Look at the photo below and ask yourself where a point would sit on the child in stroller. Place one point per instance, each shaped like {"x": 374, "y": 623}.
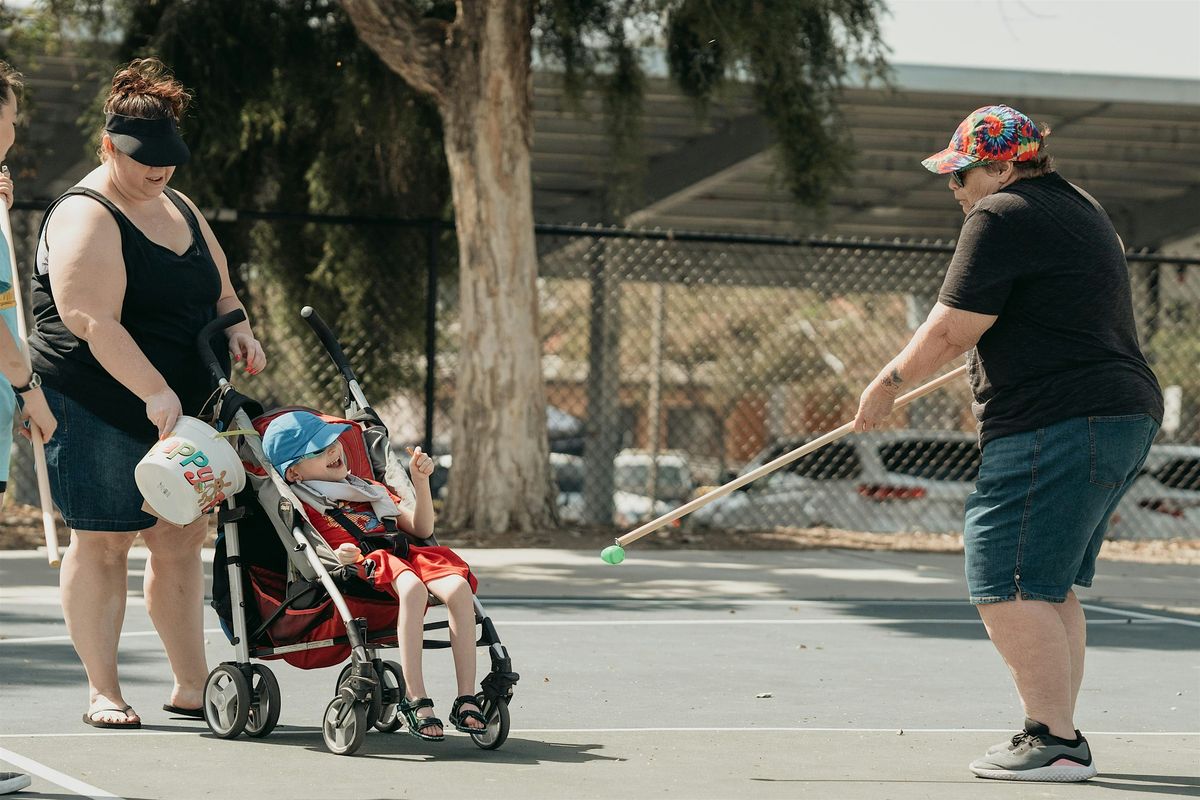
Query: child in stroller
{"x": 366, "y": 525}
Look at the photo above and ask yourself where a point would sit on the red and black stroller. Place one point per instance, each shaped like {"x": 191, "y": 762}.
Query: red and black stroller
{"x": 281, "y": 593}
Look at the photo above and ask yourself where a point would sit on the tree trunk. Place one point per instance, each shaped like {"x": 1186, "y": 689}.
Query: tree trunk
{"x": 478, "y": 69}
{"x": 499, "y": 479}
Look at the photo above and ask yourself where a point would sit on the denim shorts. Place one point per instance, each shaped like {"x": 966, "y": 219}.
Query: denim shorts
{"x": 1041, "y": 505}
{"x": 90, "y": 465}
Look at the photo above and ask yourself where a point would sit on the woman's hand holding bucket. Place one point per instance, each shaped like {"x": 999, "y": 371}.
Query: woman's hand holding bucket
{"x": 163, "y": 409}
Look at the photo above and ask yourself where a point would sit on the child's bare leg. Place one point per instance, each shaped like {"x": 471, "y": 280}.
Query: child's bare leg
{"x": 410, "y": 629}
{"x": 455, "y": 592}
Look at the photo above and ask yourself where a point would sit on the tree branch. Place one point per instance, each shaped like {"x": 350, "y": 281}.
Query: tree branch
{"x": 413, "y": 46}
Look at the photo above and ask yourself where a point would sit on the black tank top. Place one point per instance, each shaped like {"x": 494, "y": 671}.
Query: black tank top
{"x": 168, "y": 299}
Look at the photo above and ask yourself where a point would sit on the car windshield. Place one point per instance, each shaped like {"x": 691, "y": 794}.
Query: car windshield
{"x": 635, "y": 478}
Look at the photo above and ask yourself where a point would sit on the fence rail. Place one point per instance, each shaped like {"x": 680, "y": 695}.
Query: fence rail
{"x": 674, "y": 359}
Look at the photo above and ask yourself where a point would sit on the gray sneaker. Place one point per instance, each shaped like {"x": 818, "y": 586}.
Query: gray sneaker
{"x": 1036, "y": 755}
{"x": 13, "y": 782}
{"x": 1009, "y": 743}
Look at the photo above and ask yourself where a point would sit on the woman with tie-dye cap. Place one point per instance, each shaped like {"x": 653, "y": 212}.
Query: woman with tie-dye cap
{"x": 1038, "y": 295}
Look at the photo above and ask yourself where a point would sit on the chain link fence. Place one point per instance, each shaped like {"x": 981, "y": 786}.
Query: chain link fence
{"x": 675, "y": 361}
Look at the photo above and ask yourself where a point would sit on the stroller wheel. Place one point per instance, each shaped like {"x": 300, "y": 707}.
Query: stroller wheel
{"x": 226, "y": 700}
{"x": 345, "y": 725}
{"x": 497, "y": 728}
{"x": 264, "y": 702}
{"x": 376, "y": 705}
{"x": 391, "y": 682}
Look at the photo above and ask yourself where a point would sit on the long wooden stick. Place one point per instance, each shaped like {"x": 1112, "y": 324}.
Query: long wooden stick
{"x": 783, "y": 460}
{"x": 35, "y": 434}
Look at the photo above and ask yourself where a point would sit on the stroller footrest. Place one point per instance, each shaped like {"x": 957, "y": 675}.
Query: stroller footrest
{"x": 498, "y": 685}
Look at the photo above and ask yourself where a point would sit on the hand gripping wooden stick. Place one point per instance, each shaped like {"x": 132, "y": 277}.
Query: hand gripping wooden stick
{"x": 771, "y": 466}
{"x": 39, "y": 450}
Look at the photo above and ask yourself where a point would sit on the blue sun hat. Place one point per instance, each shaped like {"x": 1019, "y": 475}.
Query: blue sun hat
{"x": 296, "y": 434}
{"x": 991, "y": 133}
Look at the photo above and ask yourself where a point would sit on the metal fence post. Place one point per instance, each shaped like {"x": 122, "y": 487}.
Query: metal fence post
{"x": 603, "y": 387}
{"x": 654, "y": 392}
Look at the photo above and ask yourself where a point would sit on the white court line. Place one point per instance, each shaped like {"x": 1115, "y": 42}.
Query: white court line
{"x": 55, "y": 777}
{"x": 764, "y": 729}
{"x": 554, "y": 623}
{"x": 704, "y": 601}
{"x": 1141, "y": 615}
{"x": 630, "y": 623}
{"x": 66, "y": 638}
{"x": 832, "y": 730}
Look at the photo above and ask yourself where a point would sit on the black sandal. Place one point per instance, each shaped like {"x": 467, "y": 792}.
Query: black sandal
{"x": 417, "y": 724}
{"x": 458, "y": 717}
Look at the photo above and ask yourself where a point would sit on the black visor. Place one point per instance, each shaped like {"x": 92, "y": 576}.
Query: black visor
{"x": 153, "y": 142}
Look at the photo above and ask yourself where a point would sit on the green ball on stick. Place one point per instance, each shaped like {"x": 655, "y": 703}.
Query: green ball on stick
{"x": 613, "y": 554}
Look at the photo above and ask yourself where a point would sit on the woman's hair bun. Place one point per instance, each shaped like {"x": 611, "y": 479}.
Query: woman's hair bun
{"x": 146, "y": 88}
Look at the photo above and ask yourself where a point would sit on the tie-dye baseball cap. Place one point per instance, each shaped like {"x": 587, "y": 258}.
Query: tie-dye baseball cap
{"x": 991, "y": 133}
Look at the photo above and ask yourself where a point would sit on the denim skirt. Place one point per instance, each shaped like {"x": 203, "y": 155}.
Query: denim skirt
{"x": 90, "y": 465}
{"x": 1041, "y": 505}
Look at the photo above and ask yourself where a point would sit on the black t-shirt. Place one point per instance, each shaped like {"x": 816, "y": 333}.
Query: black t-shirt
{"x": 1043, "y": 257}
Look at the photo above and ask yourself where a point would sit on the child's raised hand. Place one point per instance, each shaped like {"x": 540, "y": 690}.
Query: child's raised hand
{"x": 348, "y": 554}
{"x": 421, "y": 463}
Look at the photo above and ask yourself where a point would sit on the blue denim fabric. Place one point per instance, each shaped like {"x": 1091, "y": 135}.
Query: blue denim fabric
{"x": 8, "y": 400}
{"x": 8, "y": 410}
{"x": 1041, "y": 505}
{"x": 90, "y": 465}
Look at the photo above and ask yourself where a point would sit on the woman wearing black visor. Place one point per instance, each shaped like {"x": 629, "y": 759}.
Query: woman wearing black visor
{"x": 127, "y": 274}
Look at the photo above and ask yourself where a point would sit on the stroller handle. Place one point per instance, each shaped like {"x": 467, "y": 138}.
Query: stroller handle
{"x": 204, "y": 341}
{"x": 332, "y": 347}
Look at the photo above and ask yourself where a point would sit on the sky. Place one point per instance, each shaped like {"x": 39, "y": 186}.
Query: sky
{"x": 1152, "y": 38}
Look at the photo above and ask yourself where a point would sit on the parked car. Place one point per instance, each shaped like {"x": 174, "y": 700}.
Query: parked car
{"x": 1164, "y": 500}
{"x": 568, "y": 476}
{"x": 631, "y": 480}
{"x": 674, "y": 480}
{"x": 628, "y": 507}
{"x": 883, "y": 482}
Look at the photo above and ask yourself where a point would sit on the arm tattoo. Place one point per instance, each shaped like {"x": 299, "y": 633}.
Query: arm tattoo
{"x": 893, "y": 381}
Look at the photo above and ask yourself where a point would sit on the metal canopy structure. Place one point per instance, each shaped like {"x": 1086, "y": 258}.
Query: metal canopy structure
{"x": 1133, "y": 143}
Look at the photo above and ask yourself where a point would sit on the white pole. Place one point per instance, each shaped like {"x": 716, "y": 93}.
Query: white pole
{"x": 39, "y": 451}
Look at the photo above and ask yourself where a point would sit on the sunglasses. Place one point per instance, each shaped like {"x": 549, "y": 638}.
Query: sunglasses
{"x": 959, "y": 176}
{"x": 317, "y": 454}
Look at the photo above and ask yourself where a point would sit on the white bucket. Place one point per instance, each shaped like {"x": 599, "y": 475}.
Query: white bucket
{"x": 189, "y": 473}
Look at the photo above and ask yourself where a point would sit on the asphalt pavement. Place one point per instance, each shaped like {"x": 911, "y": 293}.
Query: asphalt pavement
{"x": 690, "y": 674}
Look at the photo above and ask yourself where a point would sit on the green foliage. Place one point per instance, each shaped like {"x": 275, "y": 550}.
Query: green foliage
{"x": 291, "y": 113}
{"x": 795, "y": 54}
